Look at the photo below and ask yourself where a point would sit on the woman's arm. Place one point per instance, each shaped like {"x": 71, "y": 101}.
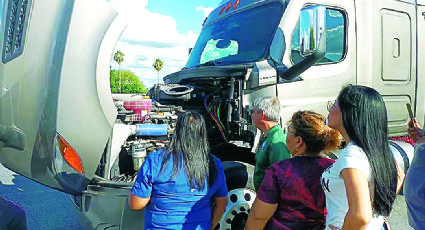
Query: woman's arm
{"x": 360, "y": 208}
{"x": 137, "y": 203}
{"x": 400, "y": 177}
{"x": 260, "y": 214}
{"x": 218, "y": 209}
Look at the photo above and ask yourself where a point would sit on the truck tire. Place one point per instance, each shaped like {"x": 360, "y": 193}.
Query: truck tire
{"x": 240, "y": 184}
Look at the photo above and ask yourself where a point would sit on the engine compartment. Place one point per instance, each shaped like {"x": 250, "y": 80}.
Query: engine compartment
{"x": 146, "y": 124}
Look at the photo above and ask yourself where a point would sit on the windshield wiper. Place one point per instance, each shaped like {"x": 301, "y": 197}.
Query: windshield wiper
{"x": 211, "y": 63}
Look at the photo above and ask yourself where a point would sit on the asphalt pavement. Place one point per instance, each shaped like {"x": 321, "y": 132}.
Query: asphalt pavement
{"x": 398, "y": 216}
{"x": 49, "y": 209}
{"x": 46, "y": 208}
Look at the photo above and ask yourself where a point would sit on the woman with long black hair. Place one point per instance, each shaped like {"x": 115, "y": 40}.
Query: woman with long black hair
{"x": 360, "y": 187}
{"x": 177, "y": 185}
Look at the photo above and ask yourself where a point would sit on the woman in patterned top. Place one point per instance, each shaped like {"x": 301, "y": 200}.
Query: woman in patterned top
{"x": 290, "y": 196}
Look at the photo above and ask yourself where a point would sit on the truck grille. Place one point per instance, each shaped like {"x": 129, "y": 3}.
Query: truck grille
{"x": 16, "y": 24}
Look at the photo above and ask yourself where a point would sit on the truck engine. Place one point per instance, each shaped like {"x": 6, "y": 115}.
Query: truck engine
{"x": 146, "y": 124}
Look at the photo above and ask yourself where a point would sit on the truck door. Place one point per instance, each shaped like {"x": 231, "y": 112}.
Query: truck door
{"x": 321, "y": 83}
{"x": 56, "y": 109}
{"x": 388, "y": 46}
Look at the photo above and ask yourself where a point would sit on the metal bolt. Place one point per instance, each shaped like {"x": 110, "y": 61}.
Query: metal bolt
{"x": 247, "y": 197}
{"x": 233, "y": 198}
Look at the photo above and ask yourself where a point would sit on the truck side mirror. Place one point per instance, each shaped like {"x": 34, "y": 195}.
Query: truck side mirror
{"x": 312, "y": 40}
{"x": 312, "y": 29}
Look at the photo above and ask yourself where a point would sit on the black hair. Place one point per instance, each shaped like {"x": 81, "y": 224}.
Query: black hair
{"x": 364, "y": 117}
{"x": 189, "y": 146}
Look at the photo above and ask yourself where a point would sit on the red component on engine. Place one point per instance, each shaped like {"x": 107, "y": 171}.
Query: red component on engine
{"x": 140, "y": 107}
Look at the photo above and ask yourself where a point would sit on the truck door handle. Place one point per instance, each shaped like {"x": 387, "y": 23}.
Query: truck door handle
{"x": 11, "y": 137}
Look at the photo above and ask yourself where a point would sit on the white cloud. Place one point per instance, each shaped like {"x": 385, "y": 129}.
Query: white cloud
{"x": 129, "y": 7}
{"x": 149, "y": 36}
{"x": 205, "y": 10}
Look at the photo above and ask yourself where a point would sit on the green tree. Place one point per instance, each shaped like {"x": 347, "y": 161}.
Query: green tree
{"x": 119, "y": 58}
{"x": 130, "y": 82}
{"x": 158, "y": 66}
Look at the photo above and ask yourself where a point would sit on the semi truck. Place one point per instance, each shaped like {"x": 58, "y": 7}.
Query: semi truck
{"x": 61, "y": 126}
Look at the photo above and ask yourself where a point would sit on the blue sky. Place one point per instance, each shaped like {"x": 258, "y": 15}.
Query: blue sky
{"x": 183, "y": 11}
{"x": 163, "y": 29}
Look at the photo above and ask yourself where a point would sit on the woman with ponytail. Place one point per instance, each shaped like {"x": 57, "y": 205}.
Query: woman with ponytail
{"x": 179, "y": 184}
{"x": 360, "y": 187}
{"x": 290, "y": 196}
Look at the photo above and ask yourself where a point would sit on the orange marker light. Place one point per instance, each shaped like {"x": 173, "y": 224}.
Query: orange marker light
{"x": 228, "y": 6}
{"x": 221, "y": 11}
{"x": 236, "y": 4}
{"x": 71, "y": 157}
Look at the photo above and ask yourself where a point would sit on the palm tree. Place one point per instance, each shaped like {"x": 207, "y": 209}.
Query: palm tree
{"x": 158, "y": 66}
{"x": 119, "y": 58}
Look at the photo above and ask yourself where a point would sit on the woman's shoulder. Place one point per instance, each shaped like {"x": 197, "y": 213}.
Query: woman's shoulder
{"x": 214, "y": 157}
{"x": 352, "y": 150}
{"x": 284, "y": 162}
{"x": 420, "y": 149}
{"x": 293, "y": 166}
{"x": 308, "y": 160}
{"x": 326, "y": 159}
{"x": 354, "y": 157}
{"x": 217, "y": 161}
{"x": 284, "y": 165}
{"x": 325, "y": 162}
{"x": 352, "y": 146}
{"x": 157, "y": 155}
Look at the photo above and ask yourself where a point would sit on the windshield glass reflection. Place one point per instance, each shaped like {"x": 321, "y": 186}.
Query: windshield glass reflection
{"x": 239, "y": 38}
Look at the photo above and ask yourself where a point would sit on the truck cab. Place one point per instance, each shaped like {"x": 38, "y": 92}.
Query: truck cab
{"x": 61, "y": 126}
{"x": 274, "y": 57}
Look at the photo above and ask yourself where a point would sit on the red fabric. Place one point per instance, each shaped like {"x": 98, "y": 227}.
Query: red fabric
{"x": 406, "y": 139}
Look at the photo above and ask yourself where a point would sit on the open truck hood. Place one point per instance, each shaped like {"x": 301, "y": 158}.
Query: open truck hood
{"x": 55, "y": 99}
{"x": 206, "y": 73}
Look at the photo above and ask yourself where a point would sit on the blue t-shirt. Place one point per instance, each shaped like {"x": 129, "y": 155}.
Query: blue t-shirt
{"x": 414, "y": 189}
{"x": 173, "y": 205}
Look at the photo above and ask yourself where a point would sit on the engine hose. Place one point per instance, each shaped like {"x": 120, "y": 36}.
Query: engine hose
{"x": 212, "y": 115}
{"x": 218, "y": 117}
{"x": 229, "y": 109}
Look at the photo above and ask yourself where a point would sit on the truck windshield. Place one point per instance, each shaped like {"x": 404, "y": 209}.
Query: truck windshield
{"x": 239, "y": 38}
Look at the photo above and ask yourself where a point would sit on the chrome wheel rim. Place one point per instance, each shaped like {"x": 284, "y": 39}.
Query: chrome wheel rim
{"x": 239, "y": 204}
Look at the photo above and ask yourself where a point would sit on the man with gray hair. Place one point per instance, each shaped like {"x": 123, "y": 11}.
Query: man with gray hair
{"x": 272, "y": 146}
